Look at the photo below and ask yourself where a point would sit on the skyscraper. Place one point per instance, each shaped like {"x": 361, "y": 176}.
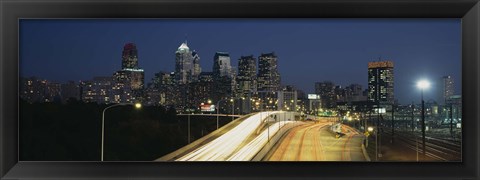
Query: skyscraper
{"x": 221, "y": 65}
{"x": 187, "y": 65}
{"x": 130, "y": 56}
{"x": 326, "y": 90}
{"x": 447, "y": 88}
{"x": 268, "y": 75}
{"x": 224, "y": 76}
{"x": 380, "y": 82}
{"x": 129, "y": 82}
{"x": 247, "y": 75}
{"x": 183, "y": 64}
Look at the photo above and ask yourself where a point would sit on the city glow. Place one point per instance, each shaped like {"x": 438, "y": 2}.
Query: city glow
{"x": 423, "y": 84}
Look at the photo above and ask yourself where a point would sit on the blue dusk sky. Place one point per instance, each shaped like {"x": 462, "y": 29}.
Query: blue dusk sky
{"x": 308, "y": 50}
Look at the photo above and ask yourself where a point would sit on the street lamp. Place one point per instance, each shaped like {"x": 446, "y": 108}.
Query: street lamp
{"x": 422, "y": 85}
{"x": 136, "y": 105}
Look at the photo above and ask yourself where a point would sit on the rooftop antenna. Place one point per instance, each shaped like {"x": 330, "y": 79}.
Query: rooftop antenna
{"x": 186, "y": 35}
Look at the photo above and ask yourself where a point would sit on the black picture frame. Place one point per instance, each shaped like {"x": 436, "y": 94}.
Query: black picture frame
{"x": 11, "y": 11}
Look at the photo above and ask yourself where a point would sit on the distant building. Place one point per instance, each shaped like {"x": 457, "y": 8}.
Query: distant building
{"x": 221, "y": 65}
{"x": 326, "y": 90}
{"x": 447, "y": 88}
{"x": 129, "y": 81}
{"x": 206, "y": 77}
{"x": 167, "y": 87}
{"x": 268, "y": 76}
{"x": 354, "y": 93}
{"x": 287, "y": 99}
{"x": 196, "y": 66}
{"x": 130, "y": 56}
{"x": 70, "y": 90}
{"x": 224, "y": 77}
{"x": 35, "y": 90}
{"x": 187, "y": 65}
{"x": 247, "y": 75}
{"x": 380, "y": 82}
{"x": 98, "y": 90}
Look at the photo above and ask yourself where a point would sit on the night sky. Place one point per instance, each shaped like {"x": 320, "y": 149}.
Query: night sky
{"x": 308, "y": 50}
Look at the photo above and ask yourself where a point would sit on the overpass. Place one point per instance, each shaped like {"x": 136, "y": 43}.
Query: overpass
{"x": 211, "y": 115}
{"x": 252, "y": 137}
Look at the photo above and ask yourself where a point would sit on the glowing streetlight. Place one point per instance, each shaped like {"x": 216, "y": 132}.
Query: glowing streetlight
{"x": 136, "y": 105}
{"x": 370, "y": 129}
{"x": 422, "y": 85}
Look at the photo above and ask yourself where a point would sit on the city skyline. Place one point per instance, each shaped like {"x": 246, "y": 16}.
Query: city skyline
{"x": 292, "y": 66}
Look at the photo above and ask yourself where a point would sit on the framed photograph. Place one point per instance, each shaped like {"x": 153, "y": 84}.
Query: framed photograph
{"x": 239, "y": 89}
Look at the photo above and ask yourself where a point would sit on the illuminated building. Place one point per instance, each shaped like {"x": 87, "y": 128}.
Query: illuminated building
{"x": 224, "y": 77}
{"x": 268, "y": 75}
{"x": 247, "y": 75}
{"x": 39, "y": 90}
{"x": 221, "y": 65}
{"x": 98, "y": 90}
{"x": 129, "y": 82}
{"x": 187, "y": 65}
{"x": 287, "y": 99}
{"x": 326, "y": 91}
{"x": 130, "y": 56}
{"x": 246, "y": 82}
{"x": 447, "y": 88}
{"x": 354, "y": 93}
{"x": 380, "y": 82}
{"x": 168, "y": 89}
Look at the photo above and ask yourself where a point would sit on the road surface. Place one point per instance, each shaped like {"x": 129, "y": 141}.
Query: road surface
{"x": 315, "y": 142}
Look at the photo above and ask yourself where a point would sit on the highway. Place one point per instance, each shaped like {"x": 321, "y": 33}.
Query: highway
{"x": 232, "y": 141}
{"x": 315, "y": 142}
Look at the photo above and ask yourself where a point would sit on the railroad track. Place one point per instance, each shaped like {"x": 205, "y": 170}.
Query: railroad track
{"x": 436, "y": 148}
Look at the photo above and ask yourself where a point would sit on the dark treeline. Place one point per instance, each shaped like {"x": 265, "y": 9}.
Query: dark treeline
{"x": 72, "y": 132}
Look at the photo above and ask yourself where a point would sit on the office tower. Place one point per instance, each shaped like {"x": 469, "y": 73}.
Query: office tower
{"x": 326, "y": 91}
{"x": 130, "y": 56}
{"x": 246, "y": 82}
{"x": 247, "y": 75}
{"x": 196, "y": 66}
{"x": 447, "y": 88}
{"x": 187, "y": 65}
{"x": 268, "y": 78}
{"x": 183, "y": 64}
{"x": 380, "y": 82}
{"x": 221, "y": 65}
{"x": 224, "y": 76}
{"x": 354, "y": 93}
{"x": 129, "y": 81}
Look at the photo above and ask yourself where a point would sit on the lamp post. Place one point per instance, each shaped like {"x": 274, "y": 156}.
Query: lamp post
{"x": 369, "y": 129}
{"x": 137, "y": 105}
{"x": 233, "y": 107}
{"x": 393, "y": 122}
{"x": 423, "y": 84}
